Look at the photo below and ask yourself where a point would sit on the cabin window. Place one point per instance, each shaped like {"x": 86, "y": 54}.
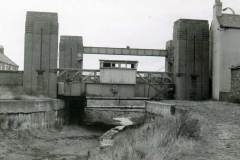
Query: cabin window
{"x": 106, "y": 65}
{"x": 113, "y": 65}
{"x": 123, "y": 66}
{"x": 132, "y": 66}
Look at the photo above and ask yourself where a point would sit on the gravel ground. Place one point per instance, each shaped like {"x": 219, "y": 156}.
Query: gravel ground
{"x": 220, "y": 129}
{"x": 69, "y": 143}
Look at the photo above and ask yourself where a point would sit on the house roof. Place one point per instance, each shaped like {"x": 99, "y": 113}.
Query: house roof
{"x": 5, "y": 59}
{"x": 229, "y": 21}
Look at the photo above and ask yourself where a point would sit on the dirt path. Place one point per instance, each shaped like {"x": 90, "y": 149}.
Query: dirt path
{"x": 220, "y": 129}
{"x": 70, "y": 143}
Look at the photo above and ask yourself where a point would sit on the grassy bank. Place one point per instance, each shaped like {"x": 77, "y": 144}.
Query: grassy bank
{"x": 160, "y": 138}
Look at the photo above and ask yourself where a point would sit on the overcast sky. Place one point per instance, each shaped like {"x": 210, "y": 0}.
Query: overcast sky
{"x": 112, "y": 23}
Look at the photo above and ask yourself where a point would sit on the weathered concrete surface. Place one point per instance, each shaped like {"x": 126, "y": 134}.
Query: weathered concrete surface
{"x": 191, "y": 59}
{"x": 11, "y": 78}
{"x": 118, "y": 76}
{"x": 27, "y": 114}
{"x": 103, "y": 110}
{"x": 41, "y": 53}
{"x": 108, "y": 90}
{"x": 115, "y": 102}
{"x": 71, "y": 52}
{"x": 158, "y": 108}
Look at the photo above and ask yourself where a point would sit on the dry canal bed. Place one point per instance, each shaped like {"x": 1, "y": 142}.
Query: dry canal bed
{"x": 69, "y": 143}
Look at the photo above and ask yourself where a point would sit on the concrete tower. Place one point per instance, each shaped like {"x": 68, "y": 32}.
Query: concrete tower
{"x": 169, "y": 62}
{"x": 191, "y": 59}
{"x": 40, "y": 53}
{"x": 71, "y": 52}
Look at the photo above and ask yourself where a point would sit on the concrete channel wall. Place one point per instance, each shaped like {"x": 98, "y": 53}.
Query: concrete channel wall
{"x": 28, "y": 114}
{"x": 11, "y": 81}
{"x": 159, "y": 108}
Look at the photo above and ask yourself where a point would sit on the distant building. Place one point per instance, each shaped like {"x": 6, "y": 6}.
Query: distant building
{"x": 6, "y": 64}
{"x": 225, "y": 49}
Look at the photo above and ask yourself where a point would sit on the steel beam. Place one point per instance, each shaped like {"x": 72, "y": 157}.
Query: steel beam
{"x": 125, "y": 51}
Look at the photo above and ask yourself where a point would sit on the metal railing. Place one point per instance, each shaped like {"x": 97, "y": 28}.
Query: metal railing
{"x": 87, "y": 75}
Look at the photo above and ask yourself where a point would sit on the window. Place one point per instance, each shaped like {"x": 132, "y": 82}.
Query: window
{"x": 132, "y": 66}
{"x": 128, "y": 66}
{"x": 122, "y": 65}
{"x": 113, "y": 65}
{"x": 106, "y": 65}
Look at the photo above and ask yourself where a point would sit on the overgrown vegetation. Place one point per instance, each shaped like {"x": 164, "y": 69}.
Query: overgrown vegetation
{"x": 160, "y": 138}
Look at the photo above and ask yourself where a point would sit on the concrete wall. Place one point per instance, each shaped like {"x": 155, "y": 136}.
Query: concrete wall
{"x": 118, "y": 76}
{"x": 40, "y": 53}
{"x": 11, "y": 83}
{"x": 191, "y": 59}
{"x": 157, "y": 91}
{"x": 111, "y": 102}
{"x": 27, "y": 114}
{"x": 71, "y": 52}
{"x": 110, "y": 90}
{"x": 158, "y": 108}
{"x": 71, "y": 89}
{"x": 11, "y": 78}
{"x": 104, "y": 110}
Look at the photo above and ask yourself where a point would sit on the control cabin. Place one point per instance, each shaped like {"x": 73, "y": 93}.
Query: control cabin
{"x": 118, "y": 71}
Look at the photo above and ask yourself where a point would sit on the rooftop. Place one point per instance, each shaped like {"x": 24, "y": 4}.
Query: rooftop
{"x": 5, "y": 59}
{"x": 118, "y": 61}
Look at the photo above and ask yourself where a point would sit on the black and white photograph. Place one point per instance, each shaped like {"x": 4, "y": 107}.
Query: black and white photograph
{"x": 120, "y": 80}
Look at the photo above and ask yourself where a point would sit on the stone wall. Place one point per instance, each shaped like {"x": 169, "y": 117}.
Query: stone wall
{"x": 27, "y": 114}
